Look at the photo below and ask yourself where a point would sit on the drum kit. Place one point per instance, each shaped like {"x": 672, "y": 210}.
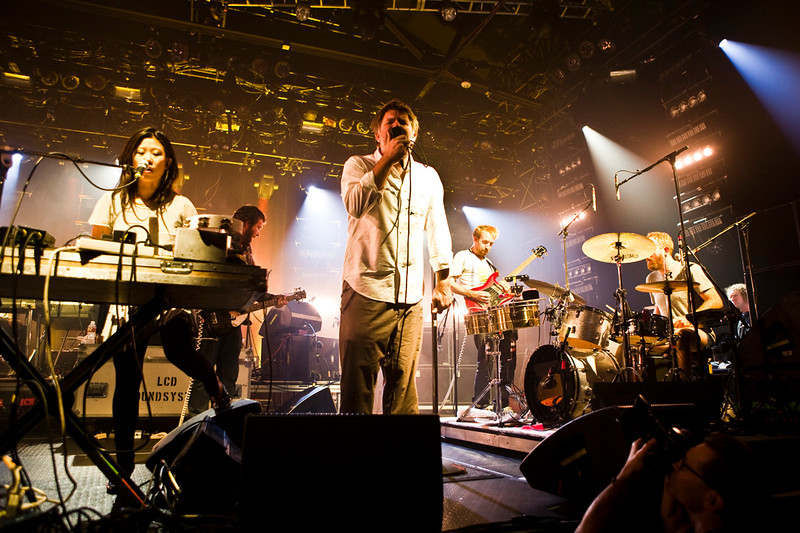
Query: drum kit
{"x": 559, "y": 377}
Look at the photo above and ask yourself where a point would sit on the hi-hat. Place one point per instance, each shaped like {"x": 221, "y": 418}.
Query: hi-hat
{"x": 619, "y": 247}
{"x": 666, "y": 286}
{"x": 550, "y": 290}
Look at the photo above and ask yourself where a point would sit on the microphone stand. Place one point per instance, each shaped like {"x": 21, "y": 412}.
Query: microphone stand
{"x": 564, "y": 232}
{"x": 684, "y": 247}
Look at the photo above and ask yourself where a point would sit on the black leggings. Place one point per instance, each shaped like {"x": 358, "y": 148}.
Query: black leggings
{"x": 177, "y": 337}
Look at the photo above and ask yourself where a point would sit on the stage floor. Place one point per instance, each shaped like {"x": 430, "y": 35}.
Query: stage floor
{"x": 483, "y": 487}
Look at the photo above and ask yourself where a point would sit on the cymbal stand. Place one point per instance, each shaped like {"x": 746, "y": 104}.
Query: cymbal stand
{"x": 624, "y": 315}
{"x": 676, "y": 370}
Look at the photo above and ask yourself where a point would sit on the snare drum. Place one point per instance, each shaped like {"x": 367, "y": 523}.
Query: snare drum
{"x": 515, "y": 315}
{"x": 477, "y": 322}
{"x": 589, "y": 328}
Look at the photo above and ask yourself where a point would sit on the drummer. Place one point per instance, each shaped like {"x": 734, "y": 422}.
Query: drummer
{"x": 469, "y": 272}
{"x": 663, "y": 266}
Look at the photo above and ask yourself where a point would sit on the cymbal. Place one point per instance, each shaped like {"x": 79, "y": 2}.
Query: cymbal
{"x": 553, "y": 291}
{"x": 664, "y": 286}
{"x": 628, "y": 247}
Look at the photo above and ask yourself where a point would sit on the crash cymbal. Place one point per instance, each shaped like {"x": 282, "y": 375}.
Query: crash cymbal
{"x": 628, "y": 247}
{"x": 665, "y": 286}
{"x": 550, "y": 290}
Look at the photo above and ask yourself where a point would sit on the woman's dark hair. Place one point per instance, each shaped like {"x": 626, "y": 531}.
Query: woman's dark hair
{"x": 127, "y": 184}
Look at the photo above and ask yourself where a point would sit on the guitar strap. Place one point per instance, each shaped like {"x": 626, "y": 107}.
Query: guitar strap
{"x": 494, "y": 269}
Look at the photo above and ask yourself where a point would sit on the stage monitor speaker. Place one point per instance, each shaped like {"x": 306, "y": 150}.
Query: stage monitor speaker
{"x": 207, "y": 469}
{"x": 231, "y": 420}
{"x": 311, "y": 400}
{"x": 340, "y": 472}
{"x": 580, "y": 458}
{"x": 692, "y": 405}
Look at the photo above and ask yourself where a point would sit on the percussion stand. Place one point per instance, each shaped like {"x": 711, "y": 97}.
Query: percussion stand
{"x": 496, "y": 383}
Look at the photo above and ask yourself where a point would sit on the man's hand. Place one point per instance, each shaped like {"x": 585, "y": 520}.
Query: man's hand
{"x": 681, "y": 322}
{"x": 481, "y": 297}
{"x": 442, "y": 296}
{"x": 281, "y": 301}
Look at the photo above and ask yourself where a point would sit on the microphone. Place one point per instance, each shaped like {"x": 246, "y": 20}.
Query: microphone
{"x": 138, "y": 171}
{"x": 616, "y": 185}
{"x": 396, "y": 131}
{"x": 674, "y": 154}
{"x": 594, "y": 199}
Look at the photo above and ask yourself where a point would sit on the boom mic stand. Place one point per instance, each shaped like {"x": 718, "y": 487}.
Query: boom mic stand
{"x": 564, "y": 232}
{"x": 683, "y": 245}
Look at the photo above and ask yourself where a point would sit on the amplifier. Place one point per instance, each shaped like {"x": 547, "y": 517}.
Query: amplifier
{"x": 166, "y": 388}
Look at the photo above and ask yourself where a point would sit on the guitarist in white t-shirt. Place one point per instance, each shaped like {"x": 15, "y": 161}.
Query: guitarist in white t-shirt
{"x": 223, "y": 350}
{"x": 475, "y": 278}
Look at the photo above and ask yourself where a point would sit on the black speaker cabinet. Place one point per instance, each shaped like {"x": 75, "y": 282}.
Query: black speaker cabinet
{"x": 231, "y": 420}
{"x": 311, "y": 400}
{"x": 342, "y": 472}
{"x": 207, "y": 469}
{"x": 578, "y": 460}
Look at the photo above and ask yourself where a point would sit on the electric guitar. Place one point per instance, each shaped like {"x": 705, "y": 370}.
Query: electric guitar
{"x": 220, "y": 323}
{"x": 497, "y": 293}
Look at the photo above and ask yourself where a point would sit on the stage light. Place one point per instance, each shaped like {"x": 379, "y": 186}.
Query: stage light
{"x": 282, "y": 69}
{"x": 12, "y": 79}
{"x": 622, "y": 76}
{"x": 96, "y": 83}
{"x": 70, "y": 82}
{"x": 362, "y": 128}
{"x": 153, "y": 49}
{"x": 449, "y": 11}
{"x": 128, "y": 93}
{"x": 606, "y": 46}
{"x": 346, "y": 124}
{"x": 303, "y": 10}
{"x": 573, "y": 62}
{"x": 47, "y": 76}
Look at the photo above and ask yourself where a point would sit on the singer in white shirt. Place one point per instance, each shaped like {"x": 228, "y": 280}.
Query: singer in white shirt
{"x": 393, "y": 202}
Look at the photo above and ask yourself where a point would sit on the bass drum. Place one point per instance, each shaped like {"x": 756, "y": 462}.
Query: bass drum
{"x": 558, "y": 391}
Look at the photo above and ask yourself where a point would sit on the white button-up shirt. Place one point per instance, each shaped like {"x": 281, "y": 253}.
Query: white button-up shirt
{"x": 384, "y": 257}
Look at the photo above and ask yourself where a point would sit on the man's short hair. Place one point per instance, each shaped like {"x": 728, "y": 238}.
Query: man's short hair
{"x": 491, "y": 230}
{"x": 400, "y": 107}
{"x": 249, "y": 214}
{"x": 662, "y": 240}
{"x": 736, "y": 288}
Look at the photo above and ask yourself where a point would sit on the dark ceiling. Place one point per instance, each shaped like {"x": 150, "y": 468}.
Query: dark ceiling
{"x": 234, "y": 81}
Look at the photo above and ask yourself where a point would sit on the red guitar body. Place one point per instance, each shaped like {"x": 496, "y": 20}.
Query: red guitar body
{"x": 497, "y": 294}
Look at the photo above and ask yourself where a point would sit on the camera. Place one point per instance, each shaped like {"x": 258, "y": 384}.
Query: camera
{"x": 671, "y": 444}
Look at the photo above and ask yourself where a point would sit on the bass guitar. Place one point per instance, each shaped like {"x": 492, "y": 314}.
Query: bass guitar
{"x": 497, "y": 292}
{"x": 220, "y": 323}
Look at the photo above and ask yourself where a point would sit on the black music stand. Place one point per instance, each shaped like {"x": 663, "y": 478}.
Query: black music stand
{"x": 79, "y": 375}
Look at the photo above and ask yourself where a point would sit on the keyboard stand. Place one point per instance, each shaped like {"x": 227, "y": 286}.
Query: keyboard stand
{"x": 69, "y": 384}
